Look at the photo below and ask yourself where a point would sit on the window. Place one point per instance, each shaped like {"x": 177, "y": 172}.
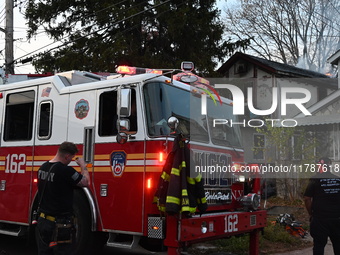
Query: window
{"x": 19, "y": 116}
{"x": 225, "y": 134}
{"x": 45, "y": 120}
{"x": 163, "y": 101}
{"x": 108, "y": 117}
{"x": 297, "y": 148}
{"x": 240, "y": 67}
{"x": 259, "y": 146}
{"x": 108, "y": 114}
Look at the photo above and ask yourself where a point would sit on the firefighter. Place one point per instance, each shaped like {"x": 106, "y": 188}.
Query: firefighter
{"x": 178, "y": 191}
{"x": 56, "y": 181}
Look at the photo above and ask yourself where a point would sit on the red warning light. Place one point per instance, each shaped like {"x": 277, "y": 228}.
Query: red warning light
{"x": 136, "y": 70}
{"x": 160, "y": 72}
{"x": 126, "y": 70}
{"x": 149, "y": 183}
{"x": 160, "y": 157}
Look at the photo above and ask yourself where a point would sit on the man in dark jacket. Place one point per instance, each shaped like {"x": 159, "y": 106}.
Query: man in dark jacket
{"x": 322, "y": 201}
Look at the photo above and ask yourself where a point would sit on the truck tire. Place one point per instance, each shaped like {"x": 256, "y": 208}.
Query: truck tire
{"x": 84, "y": 237}
{"x": 87, "y": 242}
{"x": 152, "y": 245}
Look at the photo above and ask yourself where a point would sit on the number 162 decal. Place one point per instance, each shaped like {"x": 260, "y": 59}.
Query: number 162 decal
{"x": 231, "y": 222}
{"x": 15, "y": 163}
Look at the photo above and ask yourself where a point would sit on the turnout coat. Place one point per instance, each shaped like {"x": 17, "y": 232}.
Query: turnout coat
{"x": 180, "y": 190}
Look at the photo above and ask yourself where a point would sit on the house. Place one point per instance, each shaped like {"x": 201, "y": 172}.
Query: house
{"x": 265, "y": 80}
{"x": 325, "y": 120}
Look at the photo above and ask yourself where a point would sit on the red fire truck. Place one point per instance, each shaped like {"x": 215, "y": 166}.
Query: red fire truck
{"x": 120, "y": 123}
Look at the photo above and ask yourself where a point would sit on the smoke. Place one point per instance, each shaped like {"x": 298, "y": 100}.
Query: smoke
{"x": 324, "y": 68}
{"x": 302, "y": 63}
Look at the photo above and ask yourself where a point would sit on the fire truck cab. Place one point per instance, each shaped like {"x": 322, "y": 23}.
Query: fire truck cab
{"x": 120, "y": 124}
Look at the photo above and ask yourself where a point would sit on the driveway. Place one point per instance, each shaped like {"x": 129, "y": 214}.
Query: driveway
{"x": 309, "y": 251}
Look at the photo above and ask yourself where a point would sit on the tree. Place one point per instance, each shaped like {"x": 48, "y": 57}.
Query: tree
{"x": 291, "y": 150}
{"x": 295, "y": 32}
{"x": 99, "y": 35}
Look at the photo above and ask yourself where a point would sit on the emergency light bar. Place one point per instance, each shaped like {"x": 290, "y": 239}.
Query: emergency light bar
{"x": 136, "y": 70}
{"x": 187, "y": 66}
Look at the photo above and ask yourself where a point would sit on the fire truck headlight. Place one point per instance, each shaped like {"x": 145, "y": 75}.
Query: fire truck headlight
{"x": 250, "y": 201}
{"x": 241, "y": 178}
{"x": 204, "y": 228}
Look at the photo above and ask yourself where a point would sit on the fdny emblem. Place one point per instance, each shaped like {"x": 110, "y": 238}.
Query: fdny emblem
{"x": 81, "y": 109}
{"x": 118, "y": 161}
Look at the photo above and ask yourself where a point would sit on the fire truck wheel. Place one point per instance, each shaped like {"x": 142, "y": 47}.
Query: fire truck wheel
{"x": 84, "y": 241}
{"x": 221, "y": 253}
{"x": 151, "y": 244}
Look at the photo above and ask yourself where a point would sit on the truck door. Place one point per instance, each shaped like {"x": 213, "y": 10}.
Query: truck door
{"x": 119, "y": 167}
{"x": 16, "y": 153}
{"x": 50, "y": 127}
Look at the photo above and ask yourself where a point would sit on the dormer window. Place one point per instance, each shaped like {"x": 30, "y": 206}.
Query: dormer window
{"x": 240, "y": 67}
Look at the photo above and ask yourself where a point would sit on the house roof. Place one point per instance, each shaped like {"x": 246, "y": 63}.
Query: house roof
{"x": 270, "y": 66}
{"x": 334, "y": 58}
{"x": 320, "y": 119}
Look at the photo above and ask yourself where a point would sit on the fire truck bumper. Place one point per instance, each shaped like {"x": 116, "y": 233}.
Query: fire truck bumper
{"x": 216, "y": 226}
{"x": 212, "y": 226}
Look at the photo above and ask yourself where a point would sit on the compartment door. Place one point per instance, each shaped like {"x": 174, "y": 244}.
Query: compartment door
{"x": 16, "y": 154}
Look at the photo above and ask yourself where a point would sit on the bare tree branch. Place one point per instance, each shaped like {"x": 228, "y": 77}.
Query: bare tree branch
{"x": 290, "y": 31}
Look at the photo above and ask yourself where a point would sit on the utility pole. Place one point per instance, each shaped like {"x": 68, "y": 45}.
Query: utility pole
{"x": 9, "y": 59}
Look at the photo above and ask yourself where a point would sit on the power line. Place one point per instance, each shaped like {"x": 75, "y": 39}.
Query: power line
{"x": 66, "y": 43}
{"x": 121, "y": 32}
{"x": 116, "y": 4}
{"x": 323, "y": 16}
{"x": 2, "y": 16}
{"x": 337, "y": 10}
{"x": 70, "y": 35}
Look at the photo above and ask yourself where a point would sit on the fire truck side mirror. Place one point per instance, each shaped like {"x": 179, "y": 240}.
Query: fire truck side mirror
{"x": 123, "y": 110}
{"x": 124, "y": 103}
{"x": 123, "y": 125}
{"x": 173, "y": 123}
{"x": 121, "y": 138}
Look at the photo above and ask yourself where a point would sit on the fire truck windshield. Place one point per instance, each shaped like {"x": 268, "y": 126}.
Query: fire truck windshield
{"x": 163, "y": 101}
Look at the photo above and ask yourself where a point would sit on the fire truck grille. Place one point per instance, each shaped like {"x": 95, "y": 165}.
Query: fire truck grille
{"x": 156, "y": 227}
{"x": 218, "y": 195}
{"x": 253, "y": 220}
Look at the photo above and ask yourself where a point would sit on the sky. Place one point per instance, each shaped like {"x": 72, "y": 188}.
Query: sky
{"x": 21, "y": 45}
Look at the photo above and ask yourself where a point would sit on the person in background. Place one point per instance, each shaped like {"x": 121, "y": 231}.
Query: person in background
{"x": 322, "y": 201}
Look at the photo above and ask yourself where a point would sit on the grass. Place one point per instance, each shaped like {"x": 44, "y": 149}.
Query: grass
{"x": 275, "y": 238}
{"x": 284, "y": 202}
